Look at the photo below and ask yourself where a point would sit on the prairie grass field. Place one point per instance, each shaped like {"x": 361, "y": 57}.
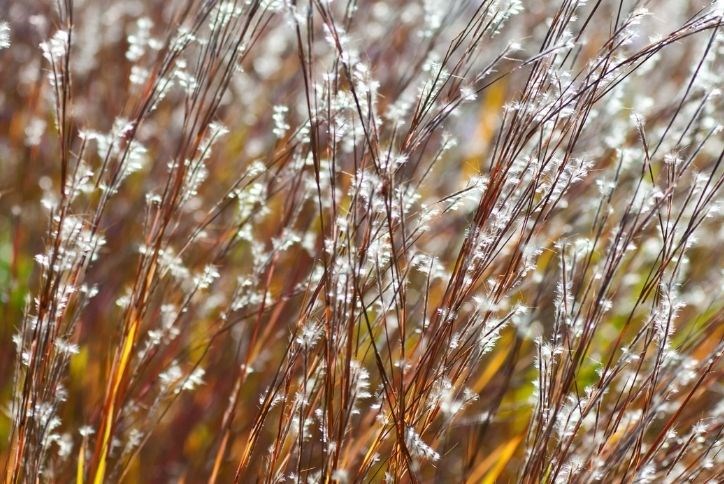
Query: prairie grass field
{"x": 361, "y": 241}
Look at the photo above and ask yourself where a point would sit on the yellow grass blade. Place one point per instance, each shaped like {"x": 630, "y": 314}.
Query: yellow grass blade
{"x": 118, "y": 375}
{"x": 81, "y": 463}
{"x": 491, "y": 369}
{"x": 489, "y": 469}
{"x": 505, "y": 456}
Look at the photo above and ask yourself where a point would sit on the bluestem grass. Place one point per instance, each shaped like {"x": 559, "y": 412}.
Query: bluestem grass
{"x": 333, "y": 241}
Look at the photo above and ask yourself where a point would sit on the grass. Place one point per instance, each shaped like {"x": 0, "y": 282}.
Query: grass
{"x": 343, "y": 241}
